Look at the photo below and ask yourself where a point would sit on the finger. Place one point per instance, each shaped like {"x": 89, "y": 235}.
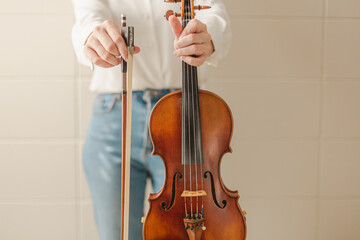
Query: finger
{"x": 194, "y": 26}
{"x": 108, "y": 43}
{"x": 136, "y": 49}
{"x": 123, "y": 47}
{"x": 176, "y": 26}
{"x": 95, "y": 58}
{"x": 105, "y": 55}
{"x": 194, "y": 61}
{"x": 193, "y": 38}
{"x": 115, "y": 34}
{"x": 121, "y": 44}
{"x": 196, "y": 49}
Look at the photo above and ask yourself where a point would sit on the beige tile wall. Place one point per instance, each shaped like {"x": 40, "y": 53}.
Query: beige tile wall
{"x": 292, "y": 81}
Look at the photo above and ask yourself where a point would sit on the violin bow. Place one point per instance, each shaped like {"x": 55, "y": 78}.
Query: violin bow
{"x": 127, "y": 69}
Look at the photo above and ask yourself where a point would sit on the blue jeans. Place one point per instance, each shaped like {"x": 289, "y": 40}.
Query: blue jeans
{"x": 102, "y": 161}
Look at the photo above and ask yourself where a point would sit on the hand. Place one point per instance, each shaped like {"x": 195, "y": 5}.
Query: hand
{"x": 193, "y": 44}
{"x": 105, "y": 45}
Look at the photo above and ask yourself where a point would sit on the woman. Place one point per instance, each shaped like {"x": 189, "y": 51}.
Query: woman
{"x": 98, "y": 43}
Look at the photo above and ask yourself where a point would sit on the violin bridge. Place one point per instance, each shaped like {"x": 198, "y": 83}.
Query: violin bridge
{"x": 199, "y": 193}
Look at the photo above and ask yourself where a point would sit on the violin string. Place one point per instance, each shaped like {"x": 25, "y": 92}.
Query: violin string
{"x": 198, "y": 135}
{"x": 185, "y": 129}
{"x": 195, "y": 147}
{"x": 193, "y": 96}
{"x": 183, "y": 138}
{"x": 188, "y": 129}
{"x": 187, "y": 19}
{"x": 190, "y": 147}
{"x": 199, "y": 142}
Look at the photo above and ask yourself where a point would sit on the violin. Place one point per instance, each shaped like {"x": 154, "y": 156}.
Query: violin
{"x": 191, "y": 130}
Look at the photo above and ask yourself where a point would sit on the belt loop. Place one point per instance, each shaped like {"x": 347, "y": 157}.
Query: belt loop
{"x": 118, "y": 96}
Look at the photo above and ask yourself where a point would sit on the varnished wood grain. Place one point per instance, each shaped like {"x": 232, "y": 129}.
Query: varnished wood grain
{"x": 165, "y": 130}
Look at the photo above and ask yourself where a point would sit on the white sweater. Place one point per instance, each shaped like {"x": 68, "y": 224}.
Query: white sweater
{"x": 155, "y": 66}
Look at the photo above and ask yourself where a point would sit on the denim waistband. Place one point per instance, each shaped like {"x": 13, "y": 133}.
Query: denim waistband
{"x": 150, "y": 94}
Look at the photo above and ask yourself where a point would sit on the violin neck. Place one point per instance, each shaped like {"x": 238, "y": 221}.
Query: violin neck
{"x": 187, "y": 11}
{"x": 191, "y": 126}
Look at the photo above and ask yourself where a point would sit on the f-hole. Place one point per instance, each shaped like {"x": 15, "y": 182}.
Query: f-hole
{"x": 163, "y": 204}
{"x": 213, "y": 191}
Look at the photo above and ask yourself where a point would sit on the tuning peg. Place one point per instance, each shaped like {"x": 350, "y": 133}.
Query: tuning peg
{"x": 171, "y": 12}
{"x": 172, "y": 1}
{"x": 201, "y": 7}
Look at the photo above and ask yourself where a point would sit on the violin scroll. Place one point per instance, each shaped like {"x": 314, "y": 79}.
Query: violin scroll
{"x": 182, "y": 15}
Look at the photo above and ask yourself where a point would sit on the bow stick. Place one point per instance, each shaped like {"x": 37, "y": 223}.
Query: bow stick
{"x": 127, "y": 69}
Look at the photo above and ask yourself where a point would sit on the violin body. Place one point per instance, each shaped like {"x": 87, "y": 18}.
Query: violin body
{"x": 223, "y": 217}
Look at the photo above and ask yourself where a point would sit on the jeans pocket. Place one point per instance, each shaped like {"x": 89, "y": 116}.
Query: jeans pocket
{"x": 104, "y": 103}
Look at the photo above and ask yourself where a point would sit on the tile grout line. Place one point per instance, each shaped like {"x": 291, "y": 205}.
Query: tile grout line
{"x": 260, "y": 139}
{"x": 77, "y": 108}
{"x": 259, "y": 78}
{"x": 36, "y": 14}
{"x": 239, "y": 16}
{"x": 291, "y": 17}
{"x": 88, "y": 200}
{"x": 64, "y": 202}
{"x": 41, "y": 141}
{"x": 79, "y": 160}
{"x": 321, "y": 108}
{"x": 50, "y": 141}
{"x": 300, "y": 198}
{"x": 81, "y": 208}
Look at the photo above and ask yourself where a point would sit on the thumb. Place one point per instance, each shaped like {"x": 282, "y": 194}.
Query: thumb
{"x": 175, "y": 26}
{"x": 136, "y": 49}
